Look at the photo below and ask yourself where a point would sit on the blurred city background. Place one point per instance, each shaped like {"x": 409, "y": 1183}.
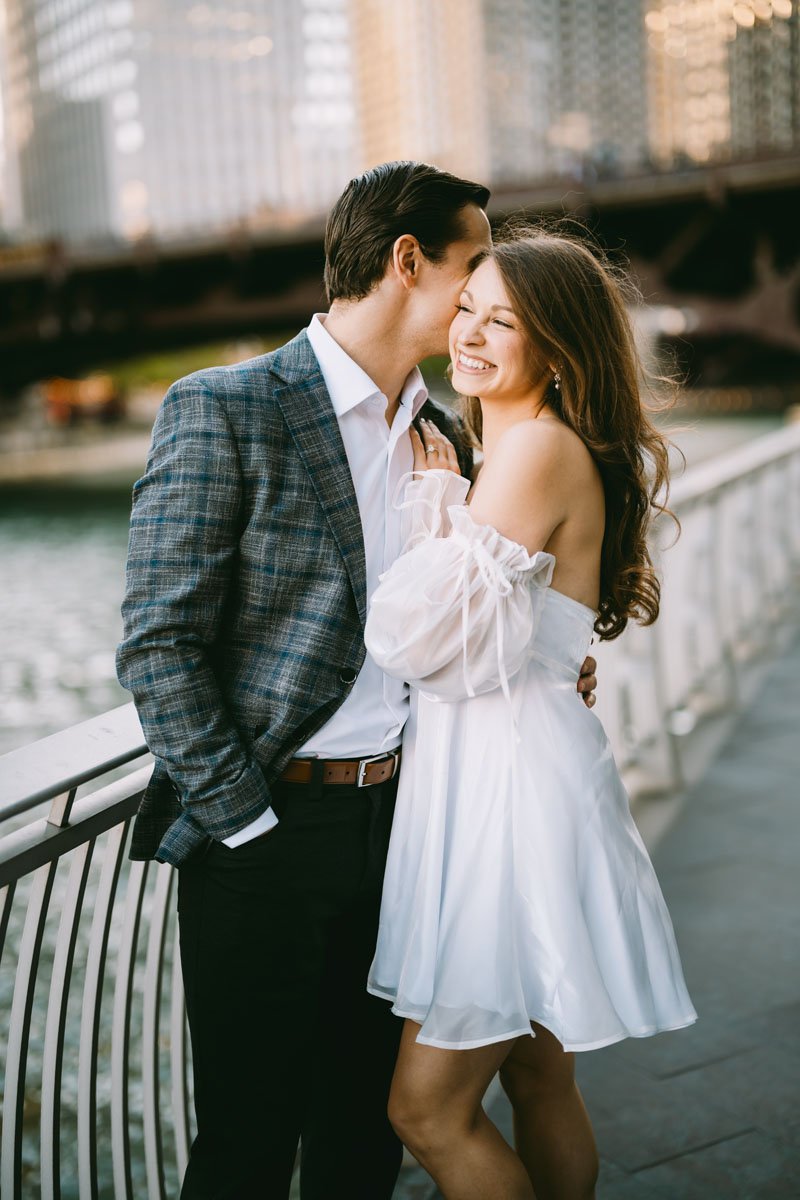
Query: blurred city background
{"x": 165, "y": 170}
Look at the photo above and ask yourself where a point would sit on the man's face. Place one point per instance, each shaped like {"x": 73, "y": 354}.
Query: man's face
{"x": 444, "y": 281}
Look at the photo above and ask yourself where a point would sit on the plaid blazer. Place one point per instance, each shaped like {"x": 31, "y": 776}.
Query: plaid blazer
{"x": 245, "y": 592}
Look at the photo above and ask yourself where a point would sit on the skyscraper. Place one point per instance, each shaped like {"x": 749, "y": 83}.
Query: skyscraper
{"x": 565, "y": 85}
{"x": 420, "y": 79}
{"x": 135, "y": 117}
{"x": 599, "y": 86}
{"x": 764, "y": 67}
{"x": 7, "y": 156}
{"x": 723, "y": 79}
{"x": 54, "y": 118}
{"x": 521, "y": 70}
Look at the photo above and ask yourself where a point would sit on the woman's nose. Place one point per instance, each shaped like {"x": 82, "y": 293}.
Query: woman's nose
{"x": 474, "y": 332}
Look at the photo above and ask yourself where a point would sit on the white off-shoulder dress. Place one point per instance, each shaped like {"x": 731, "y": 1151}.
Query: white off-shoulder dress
{"x": 517, "y": 886}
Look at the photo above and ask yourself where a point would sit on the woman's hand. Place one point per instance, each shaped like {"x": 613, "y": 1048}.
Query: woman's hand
{"x": 436, "y": 452}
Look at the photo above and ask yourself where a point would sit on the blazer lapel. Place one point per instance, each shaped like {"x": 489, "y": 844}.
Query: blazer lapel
{"x": 309, "y": 414}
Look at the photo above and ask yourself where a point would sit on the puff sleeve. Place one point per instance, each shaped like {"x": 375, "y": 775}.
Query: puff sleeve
{"x": 455, "y": 615}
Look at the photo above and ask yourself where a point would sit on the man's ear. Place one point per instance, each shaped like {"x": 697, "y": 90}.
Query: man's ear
{"x": 406, "y": 256}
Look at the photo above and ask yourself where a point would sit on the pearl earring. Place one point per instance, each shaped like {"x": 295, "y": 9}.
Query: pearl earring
{"x": 557, "y": 380}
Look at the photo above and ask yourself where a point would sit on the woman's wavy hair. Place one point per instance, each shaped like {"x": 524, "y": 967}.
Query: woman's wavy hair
{"x": 571, "y": 301}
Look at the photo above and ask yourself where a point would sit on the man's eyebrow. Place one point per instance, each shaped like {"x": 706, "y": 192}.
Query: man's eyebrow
{"x": 476, "y": 260}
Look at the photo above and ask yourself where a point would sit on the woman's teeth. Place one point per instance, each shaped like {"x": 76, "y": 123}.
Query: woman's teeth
{"x": 474, "y": 364}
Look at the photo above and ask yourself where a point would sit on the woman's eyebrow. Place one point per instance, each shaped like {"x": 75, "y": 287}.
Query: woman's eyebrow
{"x": 494, "y": 307}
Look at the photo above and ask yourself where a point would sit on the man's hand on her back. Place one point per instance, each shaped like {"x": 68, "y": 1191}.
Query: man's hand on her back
{"x": 588, "y": 681}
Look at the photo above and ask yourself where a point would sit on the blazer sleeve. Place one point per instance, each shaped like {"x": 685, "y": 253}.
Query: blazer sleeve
{"x": 183, "y": 544}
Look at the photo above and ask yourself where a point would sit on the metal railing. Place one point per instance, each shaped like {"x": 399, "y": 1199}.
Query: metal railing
{"x": 96, "y": 1097}
{"x": 730, "y": 593}
{"x": 97, "y": 1089}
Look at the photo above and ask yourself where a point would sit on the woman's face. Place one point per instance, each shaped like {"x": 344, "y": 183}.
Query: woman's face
{"x": 491, "y": 355}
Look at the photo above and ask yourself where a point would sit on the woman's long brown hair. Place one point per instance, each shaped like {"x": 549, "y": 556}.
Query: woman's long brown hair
{"x": 571, "y": 301}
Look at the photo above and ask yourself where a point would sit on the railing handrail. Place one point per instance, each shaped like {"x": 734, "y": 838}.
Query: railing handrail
{"x": 40, "y": 842}
{"x": 63, "y": 761}
{"x": 729, "y": 468}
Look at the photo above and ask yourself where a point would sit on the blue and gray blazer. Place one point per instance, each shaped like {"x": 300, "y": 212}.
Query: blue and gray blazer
{"x": 245, "y": 597}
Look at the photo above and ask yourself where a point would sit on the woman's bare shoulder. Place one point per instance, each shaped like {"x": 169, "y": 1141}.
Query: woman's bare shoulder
{"x": 528, "y": 484}
{"x": 543, "y": 444}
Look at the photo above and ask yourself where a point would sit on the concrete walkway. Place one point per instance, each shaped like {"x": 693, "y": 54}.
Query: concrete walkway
{"x": 713, "y": 1112}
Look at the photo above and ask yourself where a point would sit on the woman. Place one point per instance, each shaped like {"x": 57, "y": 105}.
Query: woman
{"x": 519, "y": 898}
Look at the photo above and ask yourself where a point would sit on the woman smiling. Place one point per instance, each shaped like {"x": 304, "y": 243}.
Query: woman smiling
{"x": 522, "y": 920}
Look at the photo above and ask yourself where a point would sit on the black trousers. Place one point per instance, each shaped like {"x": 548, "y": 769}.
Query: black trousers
{"x": 276, "y": 940}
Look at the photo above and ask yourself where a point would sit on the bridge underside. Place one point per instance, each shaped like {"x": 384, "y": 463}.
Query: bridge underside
{"x": 723, "y": 244}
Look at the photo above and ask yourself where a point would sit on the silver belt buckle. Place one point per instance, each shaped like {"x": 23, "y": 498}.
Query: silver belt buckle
{"x": 362, "y": 766}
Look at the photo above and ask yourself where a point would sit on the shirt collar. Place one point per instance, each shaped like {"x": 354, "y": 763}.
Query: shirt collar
{"x": 348, "y": 385}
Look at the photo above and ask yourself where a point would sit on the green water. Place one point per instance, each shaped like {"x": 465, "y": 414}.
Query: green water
{"x": 62, "y": 552}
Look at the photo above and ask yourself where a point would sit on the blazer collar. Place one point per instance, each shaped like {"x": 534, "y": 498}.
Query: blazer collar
{"x": 312, "y": 422}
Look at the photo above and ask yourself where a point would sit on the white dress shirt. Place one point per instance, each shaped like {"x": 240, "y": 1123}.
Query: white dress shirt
{"x": 371, "y": 718}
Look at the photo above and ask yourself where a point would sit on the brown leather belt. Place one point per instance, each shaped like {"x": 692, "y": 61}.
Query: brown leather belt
{"x": 358, "y": 772}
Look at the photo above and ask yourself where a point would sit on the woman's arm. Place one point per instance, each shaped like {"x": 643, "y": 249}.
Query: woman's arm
{"x": 524, "y": 490}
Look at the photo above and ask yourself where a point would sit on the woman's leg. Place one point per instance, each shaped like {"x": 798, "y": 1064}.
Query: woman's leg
{"x": 435, "y": 1108}
{"x": 552, "y": 1131}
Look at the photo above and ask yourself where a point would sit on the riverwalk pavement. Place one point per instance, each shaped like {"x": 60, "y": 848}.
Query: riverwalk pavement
{"x": 712, "y": 1112}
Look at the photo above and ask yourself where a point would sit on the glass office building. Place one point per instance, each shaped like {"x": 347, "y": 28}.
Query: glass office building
{"x": 137, "y": 117}
{"x": 559, "y": 102}
{"x": 724, "y": 79}
{"x": 420, "y": 71}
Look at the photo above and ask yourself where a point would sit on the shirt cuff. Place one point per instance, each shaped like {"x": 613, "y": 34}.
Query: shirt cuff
{"x": 262, "y": 824}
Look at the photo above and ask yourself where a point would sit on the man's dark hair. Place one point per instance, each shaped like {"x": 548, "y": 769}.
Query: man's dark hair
{"x": 378, "y": 207}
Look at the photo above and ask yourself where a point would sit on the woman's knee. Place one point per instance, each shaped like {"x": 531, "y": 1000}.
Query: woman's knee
{"x": 422, "y": 1123}
{"x": 410, "y": 1115}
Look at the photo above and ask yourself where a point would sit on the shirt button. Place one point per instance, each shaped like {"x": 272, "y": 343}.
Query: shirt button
{"x": 348, "y": 675}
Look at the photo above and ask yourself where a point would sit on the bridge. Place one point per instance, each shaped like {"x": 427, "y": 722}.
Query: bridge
{"x": 702, "y": 711}
{"x": 721, "y": 240}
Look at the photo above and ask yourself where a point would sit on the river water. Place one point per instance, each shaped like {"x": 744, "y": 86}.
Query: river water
{"x": 62, "y": 557}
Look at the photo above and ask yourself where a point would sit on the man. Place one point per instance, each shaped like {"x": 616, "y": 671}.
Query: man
{"x": 257, "y": 536}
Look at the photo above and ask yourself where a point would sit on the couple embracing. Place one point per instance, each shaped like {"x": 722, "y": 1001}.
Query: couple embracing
{"x": 406, "y": 861}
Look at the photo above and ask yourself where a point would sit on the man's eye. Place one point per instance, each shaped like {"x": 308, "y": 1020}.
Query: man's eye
{"x": 463, "y": 308}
